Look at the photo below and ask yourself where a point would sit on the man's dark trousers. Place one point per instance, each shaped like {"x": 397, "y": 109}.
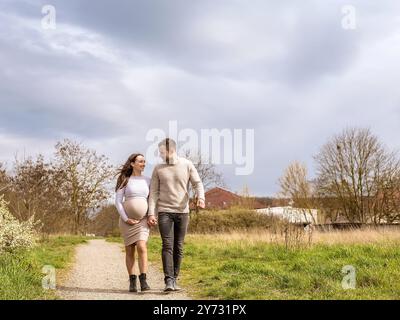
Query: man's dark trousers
{"x": 173, "y": 227}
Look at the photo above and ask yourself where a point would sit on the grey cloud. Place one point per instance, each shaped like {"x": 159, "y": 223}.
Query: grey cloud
{"x": 285, "y": 69}
{"x": 313, "y": 45}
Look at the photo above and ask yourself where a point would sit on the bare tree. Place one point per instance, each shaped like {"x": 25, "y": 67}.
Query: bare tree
{"x": 85, "y": 179}
{"x": 359, "y": 177}
{"x": 207, "y": 172}
{"x": 385, "y": 206}
{"x": 105, "y": 222}
{"x": 245, "y": 199}
{"x": 4, "y": 179}
{"x": 31, "y": 182}
{"x": 295, "y": 186}
{"x": 36, "y": 193}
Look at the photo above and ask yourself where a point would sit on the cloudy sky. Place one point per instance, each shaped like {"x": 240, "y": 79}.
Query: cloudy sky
{"x": 295, "y": 72}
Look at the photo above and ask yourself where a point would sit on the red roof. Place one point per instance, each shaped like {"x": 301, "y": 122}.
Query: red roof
{"x": 220, "y": 198}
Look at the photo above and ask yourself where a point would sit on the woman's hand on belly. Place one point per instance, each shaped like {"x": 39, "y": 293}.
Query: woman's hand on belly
{"x": 132, "y": 221}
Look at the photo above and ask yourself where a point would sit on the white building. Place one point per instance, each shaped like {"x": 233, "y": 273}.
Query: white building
{"x": 293, "y": 215}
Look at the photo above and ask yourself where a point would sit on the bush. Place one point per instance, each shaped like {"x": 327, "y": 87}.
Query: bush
{"x": 14, "y": 235}
{"x": 234, "y": 219}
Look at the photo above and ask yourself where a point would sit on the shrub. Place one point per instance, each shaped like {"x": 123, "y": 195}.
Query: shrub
{"x": 234, "y": 219}
{"x": 14, "y": 235}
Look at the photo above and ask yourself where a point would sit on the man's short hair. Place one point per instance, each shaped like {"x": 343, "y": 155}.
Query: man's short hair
{"x": 168, "y": 143}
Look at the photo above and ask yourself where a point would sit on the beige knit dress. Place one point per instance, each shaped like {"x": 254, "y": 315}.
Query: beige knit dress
{"x": 131, "y": 202}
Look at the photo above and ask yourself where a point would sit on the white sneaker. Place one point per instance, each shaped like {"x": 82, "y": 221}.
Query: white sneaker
{"x": 176, "y": 287}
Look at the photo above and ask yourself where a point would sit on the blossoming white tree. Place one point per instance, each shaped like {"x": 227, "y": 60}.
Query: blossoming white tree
{"x": 14, "y": 234}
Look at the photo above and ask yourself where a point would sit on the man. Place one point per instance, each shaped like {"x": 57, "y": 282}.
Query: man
{"x": 169, "y": 199}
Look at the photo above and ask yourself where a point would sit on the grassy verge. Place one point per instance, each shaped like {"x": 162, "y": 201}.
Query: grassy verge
{"x": 21, "y": 272}
{"x": 241, "y": 266}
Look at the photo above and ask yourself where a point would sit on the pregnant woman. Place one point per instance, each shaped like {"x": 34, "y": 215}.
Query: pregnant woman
{"x": 133, "y": 188}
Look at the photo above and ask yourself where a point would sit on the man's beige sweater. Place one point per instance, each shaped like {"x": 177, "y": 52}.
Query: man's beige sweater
{"x": 170, "y": 184}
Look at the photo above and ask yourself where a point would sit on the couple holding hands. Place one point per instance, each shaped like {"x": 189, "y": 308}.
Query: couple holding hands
{"x": 164, "y": 200}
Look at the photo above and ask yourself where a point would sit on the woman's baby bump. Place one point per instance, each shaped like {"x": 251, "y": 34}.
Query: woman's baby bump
{"x": 136, "y": 208}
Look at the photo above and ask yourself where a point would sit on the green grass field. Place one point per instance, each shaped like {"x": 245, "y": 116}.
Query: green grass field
{"x": 239, "y": 266}
{"x": 228, "y": 267}
{"x": 21, "y": 272}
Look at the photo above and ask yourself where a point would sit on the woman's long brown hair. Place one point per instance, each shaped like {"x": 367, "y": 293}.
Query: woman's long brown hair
{"x": 126, "y": 171}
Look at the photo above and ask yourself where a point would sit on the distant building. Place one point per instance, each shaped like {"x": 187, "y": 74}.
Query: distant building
{"x": 220, "y": 198}
{"x": 293, "y": 215}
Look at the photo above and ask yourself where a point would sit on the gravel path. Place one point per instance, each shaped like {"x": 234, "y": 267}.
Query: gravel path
{"x": 99, "y": 273}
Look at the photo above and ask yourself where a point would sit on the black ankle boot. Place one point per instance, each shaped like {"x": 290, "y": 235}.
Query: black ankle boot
{"x": 143, "y": 284}
{"x": 132, "y": 283}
